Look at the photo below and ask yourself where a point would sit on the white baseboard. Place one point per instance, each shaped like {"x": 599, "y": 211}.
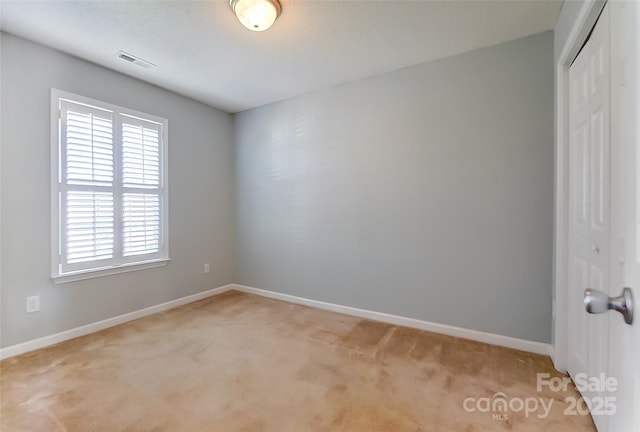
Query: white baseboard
{"x": 45, "y": 341}
{"x": 490, "y": 338}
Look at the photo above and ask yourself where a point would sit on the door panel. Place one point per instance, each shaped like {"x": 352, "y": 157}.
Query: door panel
{"x": 579, "y": 209}
{"x": 589, "y": 218}
{"x": 604, "y": 210}
{"x": 624, "y": 352}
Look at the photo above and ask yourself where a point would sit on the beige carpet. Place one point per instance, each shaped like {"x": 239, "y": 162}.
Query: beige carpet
{"x": 238, "y": 362}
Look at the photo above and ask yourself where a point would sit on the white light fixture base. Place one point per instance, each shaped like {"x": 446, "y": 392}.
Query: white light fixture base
{"x": 256, "y": 15}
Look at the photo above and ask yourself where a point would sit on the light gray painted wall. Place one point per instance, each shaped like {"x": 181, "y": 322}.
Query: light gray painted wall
{"x": 201, "y": 195}
{"x": 426, "y": 192}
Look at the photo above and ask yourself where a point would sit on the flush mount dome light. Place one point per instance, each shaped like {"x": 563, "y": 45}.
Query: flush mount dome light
{"x": 256, "y": 15}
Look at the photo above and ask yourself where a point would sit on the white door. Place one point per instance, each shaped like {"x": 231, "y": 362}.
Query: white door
{"x": 624, "y": 339}
{"x": 589, "y": 222}
{"x": 604, "y": 211}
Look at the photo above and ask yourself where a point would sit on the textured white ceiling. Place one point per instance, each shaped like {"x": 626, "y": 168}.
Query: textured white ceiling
{"x": 202, "y": 51}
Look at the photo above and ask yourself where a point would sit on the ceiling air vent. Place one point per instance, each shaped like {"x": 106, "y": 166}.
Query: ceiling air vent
{"x": 128, "y": 57}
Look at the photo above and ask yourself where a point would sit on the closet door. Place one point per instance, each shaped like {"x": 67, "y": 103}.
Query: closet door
{"x": 589, "y": 212}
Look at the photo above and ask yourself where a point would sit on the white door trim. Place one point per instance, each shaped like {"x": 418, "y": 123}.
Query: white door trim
{"x": 582, "y": 26}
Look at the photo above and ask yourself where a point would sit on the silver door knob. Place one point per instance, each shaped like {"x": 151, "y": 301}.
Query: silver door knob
{"x": 597, "y": 302}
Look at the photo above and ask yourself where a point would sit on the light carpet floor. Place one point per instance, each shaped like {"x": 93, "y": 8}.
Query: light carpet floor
{"x": 238, "y": 362}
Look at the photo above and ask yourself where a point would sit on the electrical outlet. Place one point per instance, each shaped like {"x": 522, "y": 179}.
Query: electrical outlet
{"x": 207, "y": 268}
{"x": 33, "y": 304}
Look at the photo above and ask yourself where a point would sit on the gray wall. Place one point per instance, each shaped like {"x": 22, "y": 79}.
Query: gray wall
{"x": 426, "y": 192}
{"x": 201, "y": 195}
{"x": 421, "y": 193}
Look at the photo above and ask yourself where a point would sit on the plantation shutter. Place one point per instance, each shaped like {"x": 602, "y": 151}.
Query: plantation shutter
{"x": 87, "y": 183}
{"x": 109, "y": 190}
{"x": 141, "y": 143}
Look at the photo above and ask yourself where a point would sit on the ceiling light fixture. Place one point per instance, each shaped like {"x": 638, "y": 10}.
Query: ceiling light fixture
{"x": 256, "y": 15}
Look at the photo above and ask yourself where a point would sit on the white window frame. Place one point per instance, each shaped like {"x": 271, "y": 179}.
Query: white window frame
{"x": 117, "y": 264}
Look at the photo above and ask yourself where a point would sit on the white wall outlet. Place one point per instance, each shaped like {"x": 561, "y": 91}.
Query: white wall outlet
{"x": 33, "y": 304}
{"x": 207, "y": 268}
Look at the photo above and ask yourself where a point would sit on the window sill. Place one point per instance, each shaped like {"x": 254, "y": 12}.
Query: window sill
{"x": 108, "y": 271}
